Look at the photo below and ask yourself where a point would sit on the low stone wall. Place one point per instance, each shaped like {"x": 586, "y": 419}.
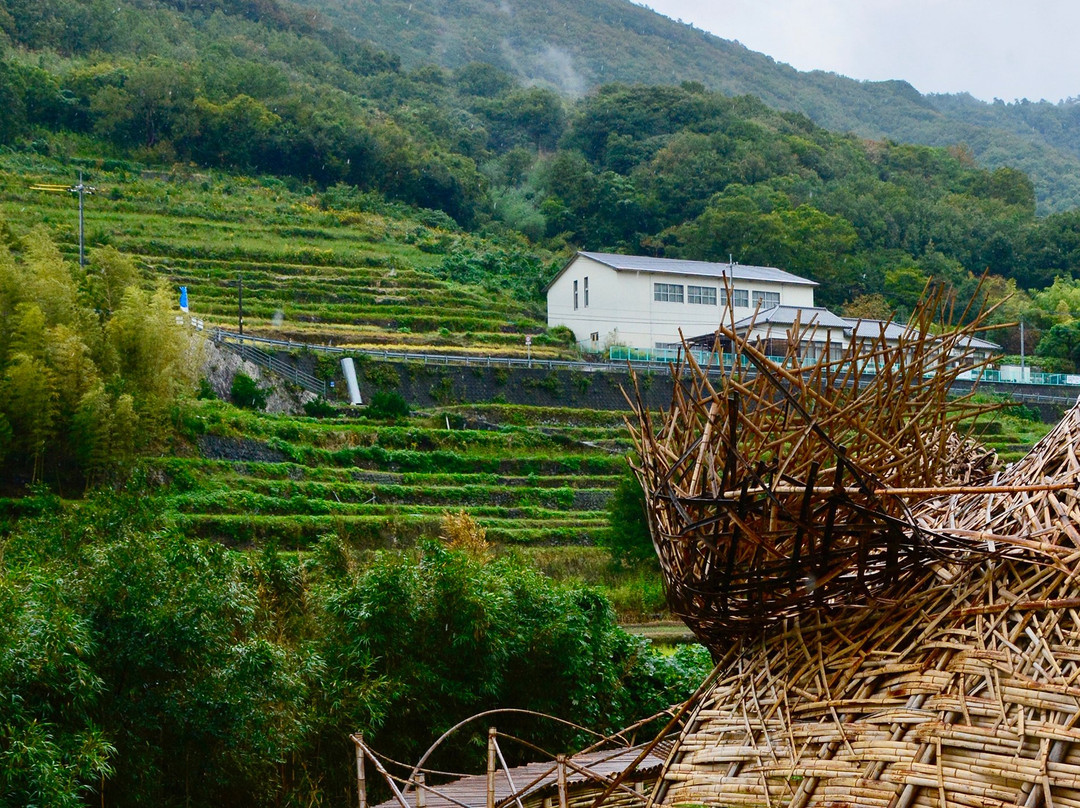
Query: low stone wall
{"x": 430, "y": 385}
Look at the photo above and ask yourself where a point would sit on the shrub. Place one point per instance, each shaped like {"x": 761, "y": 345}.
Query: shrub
{"x": 562, "y": 335}
{"x": 247, "y": 393}
{"x": 1025, "y": 413}
{"x": 206, "y": 390}
{"x": 382, "y": 375}
{"x": 629, "y": 540}
{"x": 459, "y": 531}
{"x": 388, "y": 404}
{"x": 320, "y": 408}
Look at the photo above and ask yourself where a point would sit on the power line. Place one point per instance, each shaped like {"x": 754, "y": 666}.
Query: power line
{"x": 82, "y": 190}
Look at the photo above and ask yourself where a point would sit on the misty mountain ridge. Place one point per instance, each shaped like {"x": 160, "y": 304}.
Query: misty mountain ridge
{"x": 575, "y": 46}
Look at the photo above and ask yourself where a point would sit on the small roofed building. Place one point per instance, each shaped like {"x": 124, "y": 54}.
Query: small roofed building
{"x": 965, "y": 351}
{"x": 536, "y": 785}
{"x": 642, "y": 302}
{"x": 824, "y": 334}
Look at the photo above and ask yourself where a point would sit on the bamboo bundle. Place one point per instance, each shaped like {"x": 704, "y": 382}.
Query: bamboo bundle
{"x": 784, "y": 486}
{"x": 956, "y": 682}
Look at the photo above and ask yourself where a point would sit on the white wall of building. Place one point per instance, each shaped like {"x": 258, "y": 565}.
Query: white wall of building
{"x": 622, "y": 309}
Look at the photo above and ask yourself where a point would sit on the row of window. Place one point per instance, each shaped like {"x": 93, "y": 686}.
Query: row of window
{"x": 706, "y": 295}
{"x": 586, "y": 290}
{"x": 702, "y": 295}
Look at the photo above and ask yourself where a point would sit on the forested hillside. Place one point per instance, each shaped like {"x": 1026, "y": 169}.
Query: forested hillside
{"x": 595, "y": 42}
{"x": 678, "y": 170}
{"x": 212, "y": 608}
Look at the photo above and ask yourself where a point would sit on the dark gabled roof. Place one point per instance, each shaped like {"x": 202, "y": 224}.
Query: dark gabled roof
{"x": 871, "y": 329}
{"x": 808, "y": 316}
{"x": 787, "y": 315}
{"x": 976, "y": 342}
{"x": 679, "y": 266}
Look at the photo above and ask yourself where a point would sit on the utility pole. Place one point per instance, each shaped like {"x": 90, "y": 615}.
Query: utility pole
{"x": 240, "y": 302}
{"x": 82, "y": 190}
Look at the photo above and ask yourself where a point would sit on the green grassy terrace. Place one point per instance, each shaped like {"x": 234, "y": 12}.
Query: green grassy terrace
{"x": 537, "y": 479}
{"x": 328, "y": 267}
{"x": 251, "y": 478}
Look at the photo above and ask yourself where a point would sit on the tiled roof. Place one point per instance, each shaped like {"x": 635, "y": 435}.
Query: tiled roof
{"x": 869, "y": 329}
{"x": 807, "y": 316}
{"x": 678, "y": 266}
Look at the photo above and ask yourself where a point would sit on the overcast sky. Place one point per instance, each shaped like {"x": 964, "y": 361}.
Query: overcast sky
{"x": 1007, "y": 49}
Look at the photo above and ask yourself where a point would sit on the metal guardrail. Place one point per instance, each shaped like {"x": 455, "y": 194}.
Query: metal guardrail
{"x": 234, "y": 340}
{"x": 272, "y": 363}
{"x": 669, "y": 356}
{"x": 222, "y": 336}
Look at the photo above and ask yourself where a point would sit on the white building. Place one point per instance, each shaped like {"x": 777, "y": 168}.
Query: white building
{"x": 642, "y": 302}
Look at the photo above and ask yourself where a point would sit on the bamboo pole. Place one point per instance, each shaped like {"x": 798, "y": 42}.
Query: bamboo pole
{"x": 560, "y": 762}
{"x": 491, "y": 768}
{"x": 361, "y": 780}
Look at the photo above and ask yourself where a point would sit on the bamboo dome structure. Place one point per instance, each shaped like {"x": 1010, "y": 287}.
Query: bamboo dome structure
{"x": 782, "y": 486}
{"x": 932, "y": 658}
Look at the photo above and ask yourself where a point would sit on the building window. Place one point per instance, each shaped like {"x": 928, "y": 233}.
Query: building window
{"x": 740, "y": 298}
{"x": 766, "y": 299}
{"x": 701, "y": 294}
{"x": 586, "y": 291}
{"x": 668, "y": 292}
{"x": 575, "y": 295}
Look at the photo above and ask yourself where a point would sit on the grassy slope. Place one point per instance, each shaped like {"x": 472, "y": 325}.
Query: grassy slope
{"x": 537, "y": 479}
{"x": 310, "y": 274}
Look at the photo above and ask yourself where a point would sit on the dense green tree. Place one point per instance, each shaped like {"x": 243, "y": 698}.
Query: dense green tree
{"x": 768, "y": 231}
{"x": 1062, "y": 341}
{"x": 450, "y": 635}
{"x": 630, "y": 540}
{"x": 905, "y": 286}
{"x": 139, "y": 665}
{"x": 246, "y": 392}
{"x": 52, "y": 750}
{"x": 89, "y": 362}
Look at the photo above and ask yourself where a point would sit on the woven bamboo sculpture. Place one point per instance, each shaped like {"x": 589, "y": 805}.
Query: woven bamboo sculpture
{"x": 952, "y": 678}
{"x": 777, "y": 487}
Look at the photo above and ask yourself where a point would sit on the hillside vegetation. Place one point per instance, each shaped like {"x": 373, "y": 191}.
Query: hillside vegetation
{"x": 141, "y": 666}
{"x": 676, "y": 170}
{"x": 224, "y": 594}
{"x": 598, "y": 42}
{"x": 334, "y": 267}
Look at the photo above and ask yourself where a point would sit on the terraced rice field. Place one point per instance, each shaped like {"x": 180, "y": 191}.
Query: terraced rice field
{"x": 249, "y": 479}
{"x": 311, "y": 272}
